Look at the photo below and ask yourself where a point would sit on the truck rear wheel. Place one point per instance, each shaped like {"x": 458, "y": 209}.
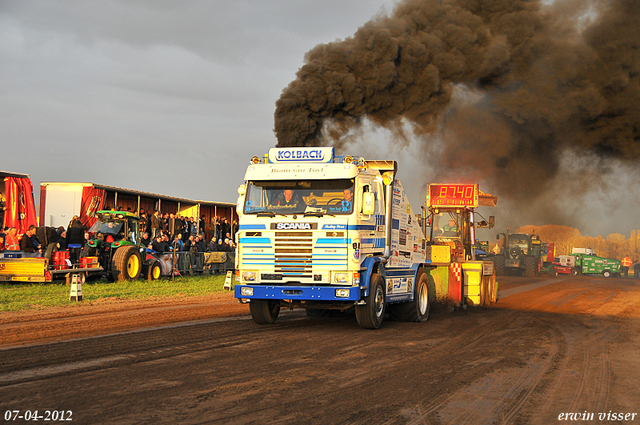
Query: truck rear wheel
{"x": 371, "y": 314}
{"x": 264, "y": 312}
{"x": 127, "y": 263}
{"x": 498, "y": 265}
{"x": 418, "y": 309}
{"x": 575, "y": 271}
{"x": 606, "y": 273}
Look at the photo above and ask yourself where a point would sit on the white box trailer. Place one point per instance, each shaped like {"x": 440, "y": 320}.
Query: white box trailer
{"x": 61, "y": 202}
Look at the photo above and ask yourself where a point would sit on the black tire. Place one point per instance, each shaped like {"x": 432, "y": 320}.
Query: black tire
{"x": 606, "y": 273}
{"x": 418, "y": 309}
{"x": 530, "y": 266}
{"x": 371, "y": 314}
{"x": 264, "y": 312}
{"x": 127, "y": 264}
{"x": 155, "y": 271}
{"x": 575, "y": 272}
{"x": 498, "y": 265}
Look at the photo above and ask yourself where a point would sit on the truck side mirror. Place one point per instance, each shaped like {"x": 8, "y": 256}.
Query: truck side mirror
{"x": 492, "y": 221}
{"x": 368, "y": 203}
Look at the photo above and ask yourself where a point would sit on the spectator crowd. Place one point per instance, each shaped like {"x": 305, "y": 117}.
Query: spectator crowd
{"x": 160, "y": 233}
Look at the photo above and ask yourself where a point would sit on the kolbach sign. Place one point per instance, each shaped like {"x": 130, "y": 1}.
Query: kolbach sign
{"x": 280, "y": 155}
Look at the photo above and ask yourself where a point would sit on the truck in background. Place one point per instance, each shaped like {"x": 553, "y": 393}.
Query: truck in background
{"x": 585, "y": 261}
{"x": 324, "y": 232}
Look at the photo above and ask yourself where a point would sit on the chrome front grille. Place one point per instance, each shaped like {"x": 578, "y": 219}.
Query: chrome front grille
{"x": 293, "y": 254}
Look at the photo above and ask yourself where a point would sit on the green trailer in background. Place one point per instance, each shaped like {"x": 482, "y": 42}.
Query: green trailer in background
{"x": 585, "y": 261}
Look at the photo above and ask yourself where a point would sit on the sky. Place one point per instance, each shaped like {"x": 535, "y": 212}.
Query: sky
{"x": 160, "y": 96}
{"x": 175, "y": 97}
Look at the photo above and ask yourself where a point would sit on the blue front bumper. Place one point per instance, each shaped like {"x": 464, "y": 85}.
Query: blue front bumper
{"x": 300, "y": 293}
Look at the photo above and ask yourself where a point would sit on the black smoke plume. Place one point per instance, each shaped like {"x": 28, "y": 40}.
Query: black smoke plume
{"x": 507, "y": 86}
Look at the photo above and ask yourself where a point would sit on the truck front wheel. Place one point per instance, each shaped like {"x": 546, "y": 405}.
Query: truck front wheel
{"x": 264, "y": 312}
{"x": 606, "y": 273}
{"x": 371, "y": 314}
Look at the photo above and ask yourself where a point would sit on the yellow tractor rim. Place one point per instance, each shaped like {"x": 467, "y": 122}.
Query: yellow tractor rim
{"x": 133, "y": 266}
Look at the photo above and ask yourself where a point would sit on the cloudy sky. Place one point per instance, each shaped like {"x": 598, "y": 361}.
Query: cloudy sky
{"x": 174, "y": 97}
{"x": 170, "y": 97}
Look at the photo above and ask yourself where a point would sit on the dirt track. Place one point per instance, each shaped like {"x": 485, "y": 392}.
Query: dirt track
{"x": 550, "y": 346}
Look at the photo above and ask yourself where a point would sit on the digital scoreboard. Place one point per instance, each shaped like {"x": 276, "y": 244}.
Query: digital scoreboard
{"x": 452, "y": 195}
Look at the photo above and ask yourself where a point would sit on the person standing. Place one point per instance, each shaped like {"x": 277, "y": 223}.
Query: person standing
{"x": 75, "y": 239}
{"x": 636, "y": 270}
{"x": 156, "y": 224}
{"x": 626, "y": 263}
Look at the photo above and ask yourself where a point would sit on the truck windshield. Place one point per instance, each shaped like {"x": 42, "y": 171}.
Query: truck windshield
{"x": 299, "y": 197}
{"x": 446, "y": 227}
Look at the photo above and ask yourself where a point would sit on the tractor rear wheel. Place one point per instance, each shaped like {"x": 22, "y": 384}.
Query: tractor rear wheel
{"x": 127, "y": 263}
{"x": 498, "y": 265}
{"x": 530, "y": 266}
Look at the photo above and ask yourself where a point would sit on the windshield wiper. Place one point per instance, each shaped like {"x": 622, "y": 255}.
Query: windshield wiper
{"x": 266, "y": 214}
{"x": 318, "y": 214}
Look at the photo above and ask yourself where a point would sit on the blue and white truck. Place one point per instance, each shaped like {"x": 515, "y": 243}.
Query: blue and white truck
{"x": 326, "y": 232}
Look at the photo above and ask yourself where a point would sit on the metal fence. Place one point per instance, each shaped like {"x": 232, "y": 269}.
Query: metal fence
{"x": 192, "y": 263}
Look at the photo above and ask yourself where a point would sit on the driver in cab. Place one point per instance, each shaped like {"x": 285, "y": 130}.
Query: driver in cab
{"x": 287, "y": 198}
{"x": 348, "y": 199}
{"x": 450, "y": 229}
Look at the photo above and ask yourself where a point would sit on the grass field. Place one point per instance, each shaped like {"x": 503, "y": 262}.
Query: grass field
{"x": 17, "y": 296}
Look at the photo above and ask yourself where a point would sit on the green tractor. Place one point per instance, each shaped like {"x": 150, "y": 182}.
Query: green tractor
{"x": 520, "y": 254}
{"x": 116, "y": 242}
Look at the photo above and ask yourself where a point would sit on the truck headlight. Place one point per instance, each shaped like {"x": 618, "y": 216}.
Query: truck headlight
{"x": 341, "y": 277}
{"x": 247, "y": 291}
{"x": 249, "y": 276}
{"x": 342, "y": 293}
